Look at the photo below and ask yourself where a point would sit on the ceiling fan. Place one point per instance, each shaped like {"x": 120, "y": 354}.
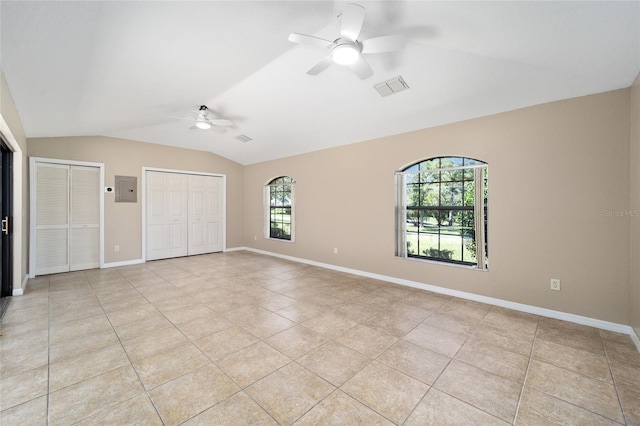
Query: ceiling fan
{"x": 203, "y": 122}
{"x": 347, "y": 49}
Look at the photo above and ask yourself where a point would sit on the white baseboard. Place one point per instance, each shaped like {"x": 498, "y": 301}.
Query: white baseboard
{"x": 549, "y": 313}
{"x": 235, "y": 249}
{"x": 123, "y": 263}
{"x": 635, "y": 339}
{"x": 20, "y": 291}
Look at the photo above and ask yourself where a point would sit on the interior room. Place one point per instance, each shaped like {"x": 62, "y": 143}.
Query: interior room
{"x": 320, "y": 212}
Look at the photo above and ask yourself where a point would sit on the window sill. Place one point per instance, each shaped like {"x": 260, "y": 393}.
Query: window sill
{"x": 435, "y": 262}
{"x": 280, "y": 240}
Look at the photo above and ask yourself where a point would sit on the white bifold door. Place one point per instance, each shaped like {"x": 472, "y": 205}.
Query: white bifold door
{"x": 67, "y": 218}
{"x": 183, "y": 214}
{"x": 204, "y": 214}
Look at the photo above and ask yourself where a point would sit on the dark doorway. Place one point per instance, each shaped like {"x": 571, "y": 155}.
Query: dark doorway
{"x": 6, "y": 236}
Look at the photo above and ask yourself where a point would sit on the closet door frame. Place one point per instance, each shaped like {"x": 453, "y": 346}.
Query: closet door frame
{"x": 186, "y": 172}
{"x": 32, "y": 205}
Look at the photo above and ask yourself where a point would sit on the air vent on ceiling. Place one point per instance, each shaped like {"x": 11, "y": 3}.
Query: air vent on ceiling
{"x": 392, "y": 86}
{"x": 243, "y": 138}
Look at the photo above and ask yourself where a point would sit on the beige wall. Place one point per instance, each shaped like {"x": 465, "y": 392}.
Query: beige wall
{"x": 559, "y": 176}
{"x": 555, "y": 170}
{"x": 123, "y": 221}
{"x": 635, "y": 206}
{"x": 21, "y": 194}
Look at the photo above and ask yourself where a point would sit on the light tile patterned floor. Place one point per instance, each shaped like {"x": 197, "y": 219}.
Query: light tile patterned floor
{"x": 240, "y": 338}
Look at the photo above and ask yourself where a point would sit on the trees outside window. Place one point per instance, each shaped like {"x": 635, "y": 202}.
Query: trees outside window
{"x": 442, "y": 214}
{"x": 279, "y": 192}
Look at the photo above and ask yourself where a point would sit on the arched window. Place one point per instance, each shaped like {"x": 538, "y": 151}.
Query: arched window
{"x": 442, "y": 211}
{"x": 279, "y": 194}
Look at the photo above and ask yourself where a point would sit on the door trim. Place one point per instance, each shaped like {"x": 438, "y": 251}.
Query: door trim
{"x": 185, "y": 172}
{"x": 32, "y": 203}
{"x": 18, "y": 279}
{"x": 6, "y": 238}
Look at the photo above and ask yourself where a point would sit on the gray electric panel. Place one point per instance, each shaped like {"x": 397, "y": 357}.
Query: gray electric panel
{"x": 126, "y": 189}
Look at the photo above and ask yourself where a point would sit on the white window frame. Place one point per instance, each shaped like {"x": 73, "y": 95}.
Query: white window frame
{"x": 479, "y": 217}
{"x": 267, "y": 210}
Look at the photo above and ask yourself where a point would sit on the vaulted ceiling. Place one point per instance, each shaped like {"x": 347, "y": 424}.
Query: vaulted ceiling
{"x": 122, "y": 69}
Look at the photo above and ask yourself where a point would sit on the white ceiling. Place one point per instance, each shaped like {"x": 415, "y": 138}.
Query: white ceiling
{"x": 122, "y": 69}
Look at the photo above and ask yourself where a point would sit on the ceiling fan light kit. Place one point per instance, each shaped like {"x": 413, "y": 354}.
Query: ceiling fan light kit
{"x": 203, "y": 123}
{"x": 346, "y": 53}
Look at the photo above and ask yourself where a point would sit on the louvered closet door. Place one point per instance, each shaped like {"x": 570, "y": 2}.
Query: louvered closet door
{"x": 205, "y": 215}
{"x": 67, "y": 205}
{"x": 84, "y": 251}
{"x": 52, "y": 218}
{"x": 166, "y": 207}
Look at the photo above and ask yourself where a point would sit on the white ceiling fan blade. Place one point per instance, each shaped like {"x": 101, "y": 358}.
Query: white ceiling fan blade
{"x": 181, "y": 118}
{"x": 321, "y": 66}
{"x": 383, "y": 44}
{"x": 310, "y": 40}
{"x": 221, "y": 122}
{"x": 362, "y": 68}
{"x": 351, "y": 21}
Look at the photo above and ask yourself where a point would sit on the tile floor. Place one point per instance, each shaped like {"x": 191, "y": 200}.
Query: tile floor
{"x": 240, "y": 338}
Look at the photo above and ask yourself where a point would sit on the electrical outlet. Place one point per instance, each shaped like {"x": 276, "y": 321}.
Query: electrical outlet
{"x": 555, "y": 284}
{"x": 116, "y": 248}
{"x": 335, "y": 250}
{"x": 255, "y": 238}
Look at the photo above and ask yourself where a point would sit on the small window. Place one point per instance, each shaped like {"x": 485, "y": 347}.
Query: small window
{"x": 279, "y": 194}
{"x": 442, "y": 211}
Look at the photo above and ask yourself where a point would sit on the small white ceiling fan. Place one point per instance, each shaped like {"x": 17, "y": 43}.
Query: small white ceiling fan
{"x": 347, "y": 49}
{"x": 203, "y": 122}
